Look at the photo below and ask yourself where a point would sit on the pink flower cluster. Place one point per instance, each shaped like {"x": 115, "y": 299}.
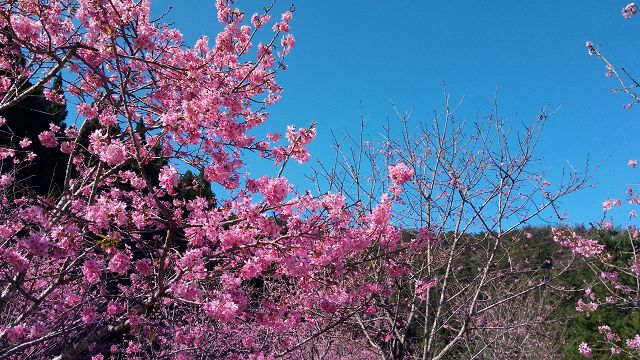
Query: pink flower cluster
{"x": 400, "y": 173}
{"x": 578, "y": 244}
{"x": 586, "y": 307}
{"x": 629, "y": 10}
{"x": 283, "y": 25}
{"x": 168, "y": 179}
{"x": 48, "y": 139}
{"x": 119, "y": 263}
{"x": 585, "y": 350}
{"x": 91, "y": 270}
{"x": 422, "y": 287}
{"x": 634, "y": 343}
{"x": 224, "y": 310}
{"x": 608, "y": 204}
{"x": 298, "y": 140}
{"x": 274, "y": 190}
{"x": 382, "y": 212}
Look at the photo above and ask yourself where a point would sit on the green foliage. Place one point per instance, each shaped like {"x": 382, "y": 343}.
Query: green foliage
{"x": 580, "y": 327}
{"x": 191, "y": 186}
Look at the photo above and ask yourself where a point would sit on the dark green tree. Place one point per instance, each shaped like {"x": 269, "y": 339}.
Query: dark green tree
{"x": 27, "y": 119}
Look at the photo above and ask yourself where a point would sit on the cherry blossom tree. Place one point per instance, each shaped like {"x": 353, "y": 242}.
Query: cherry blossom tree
{"x": 611, "y": 277}
{"x": 612, "y": 260}
{"x": 463, "y": 191}
{"x": 627, "y": 84}
{"x": 117, "y": 263}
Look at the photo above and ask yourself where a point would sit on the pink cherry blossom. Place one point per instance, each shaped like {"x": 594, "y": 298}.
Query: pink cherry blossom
{"x": 586, "y": 307}
{"x": 585, "y": 350}
{"x": 119, "y": 263}
{"x": 48, "y": 139}
{"x": 24, "y": 143}
{"x": 224, "y": 310}
{"x": 629, "y": 10}
{"x": 169, "y": 179}
{"x": 113, "y": 154}
{"x": 400, "y": 173}
{"x": 274, "y": 190}
{"x": 578, "y": 244}
{"x": 114, "y": 308}
{"x": 608, "y": 204}
{"x": 634, "y": 343}
{"x": 91, "y": 270}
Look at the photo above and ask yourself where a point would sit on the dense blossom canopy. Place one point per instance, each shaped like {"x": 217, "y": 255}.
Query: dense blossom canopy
{"x": 115, "y": 262}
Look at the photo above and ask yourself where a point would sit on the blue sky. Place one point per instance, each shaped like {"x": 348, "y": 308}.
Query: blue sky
{"x": 356, "y": 57}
